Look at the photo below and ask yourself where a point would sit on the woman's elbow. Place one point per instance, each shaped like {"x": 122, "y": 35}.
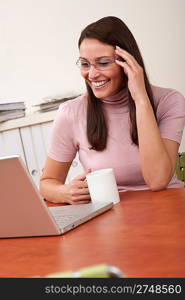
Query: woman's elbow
{"x": 158, "y": 187}
{"x": 160, "y": 180}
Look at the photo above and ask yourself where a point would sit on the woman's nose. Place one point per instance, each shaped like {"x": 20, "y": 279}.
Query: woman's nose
{"x": 93, "y": 72}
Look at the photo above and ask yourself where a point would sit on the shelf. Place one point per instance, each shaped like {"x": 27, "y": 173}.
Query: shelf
{"x": 34, "y": 118}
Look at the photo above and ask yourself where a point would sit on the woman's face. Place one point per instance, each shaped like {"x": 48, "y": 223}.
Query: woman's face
{"x": 106, "y": 82}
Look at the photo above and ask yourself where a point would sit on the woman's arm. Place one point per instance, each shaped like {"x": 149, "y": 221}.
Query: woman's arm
{"x": 54, "y": 189}
{"x": 158, "y": 156}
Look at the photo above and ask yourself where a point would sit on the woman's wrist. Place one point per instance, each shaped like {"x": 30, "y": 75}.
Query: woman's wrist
{"x": 142, "y": 101}
{"x": 61, "y": 193}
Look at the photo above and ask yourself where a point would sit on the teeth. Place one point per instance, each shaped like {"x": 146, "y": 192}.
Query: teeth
{"x": 99, "y": 83}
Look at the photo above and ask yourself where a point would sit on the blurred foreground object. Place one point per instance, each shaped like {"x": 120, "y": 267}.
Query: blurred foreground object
{"x": 96, "y": 271}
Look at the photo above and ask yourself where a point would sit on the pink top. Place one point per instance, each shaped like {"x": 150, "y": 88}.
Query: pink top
{"x": 69, "y": 135}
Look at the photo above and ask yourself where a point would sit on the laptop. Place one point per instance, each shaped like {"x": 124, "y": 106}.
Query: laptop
{"x": 24, "y": 213}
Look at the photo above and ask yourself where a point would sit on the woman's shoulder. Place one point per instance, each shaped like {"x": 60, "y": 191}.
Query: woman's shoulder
{"x": 74, "y": 106}
{"x": 74, "y": 103}
{"x": 70, "y": 110}
{"x": 167, "y": 96}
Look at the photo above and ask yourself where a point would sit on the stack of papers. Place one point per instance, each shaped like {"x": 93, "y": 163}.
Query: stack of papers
{"x": 12, "y": 110}
{"x": 52, "y": 103}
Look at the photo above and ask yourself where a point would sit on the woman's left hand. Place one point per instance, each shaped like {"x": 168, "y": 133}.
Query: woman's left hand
{"x": 135, "y": 75}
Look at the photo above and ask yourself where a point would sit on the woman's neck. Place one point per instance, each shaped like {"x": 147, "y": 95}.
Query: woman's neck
{"x": 117, "y": 103}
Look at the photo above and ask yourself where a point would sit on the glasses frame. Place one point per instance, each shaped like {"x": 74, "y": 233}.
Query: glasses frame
{"x": 94, "y": 65}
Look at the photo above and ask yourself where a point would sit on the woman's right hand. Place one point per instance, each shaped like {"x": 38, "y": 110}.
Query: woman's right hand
{"x": 76, "y": 192}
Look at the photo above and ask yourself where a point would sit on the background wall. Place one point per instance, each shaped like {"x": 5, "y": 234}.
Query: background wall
{"x": 38, "y": 43}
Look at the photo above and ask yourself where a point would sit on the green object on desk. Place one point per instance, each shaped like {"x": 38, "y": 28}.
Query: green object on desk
{"x": 96, "y": 271}
{"x": 180, "y": 166}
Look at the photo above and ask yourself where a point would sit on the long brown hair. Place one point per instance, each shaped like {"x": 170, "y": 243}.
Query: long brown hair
{"x": 112, "y": 31}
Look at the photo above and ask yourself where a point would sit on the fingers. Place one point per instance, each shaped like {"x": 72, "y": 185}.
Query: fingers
{"x": 80, "y": 180}
{"x": 82, "y": 199}
{"x": 83, "y": 175}
{"x": 129, "y": 59}
{"x": 80, "y": 202}
{"x": 79, "y": 184}
{"x": 80, "y": 191}
{"x": 124, "y": 65}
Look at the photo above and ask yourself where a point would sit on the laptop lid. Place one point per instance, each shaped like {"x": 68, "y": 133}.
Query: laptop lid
{"x": 22, "y": 210}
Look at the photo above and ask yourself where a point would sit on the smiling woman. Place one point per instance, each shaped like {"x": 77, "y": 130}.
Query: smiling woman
{"x": 122, "y": 122}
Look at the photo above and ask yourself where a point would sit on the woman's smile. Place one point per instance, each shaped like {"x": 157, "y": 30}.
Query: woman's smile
{"x": 99, "y": 84}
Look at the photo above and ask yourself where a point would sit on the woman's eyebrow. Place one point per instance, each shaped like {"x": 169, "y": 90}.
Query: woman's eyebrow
{"x": 105, "y": 56}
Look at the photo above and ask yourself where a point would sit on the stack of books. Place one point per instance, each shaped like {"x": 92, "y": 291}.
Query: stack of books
{"x": 12, "y": 110}
{"x": 49, "y": 104}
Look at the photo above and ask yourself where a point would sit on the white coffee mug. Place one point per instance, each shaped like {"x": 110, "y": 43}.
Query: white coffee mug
{"x": 102, "y": 186}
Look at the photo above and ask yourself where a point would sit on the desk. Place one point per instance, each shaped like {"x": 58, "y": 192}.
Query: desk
{"x": 143, "y": 235}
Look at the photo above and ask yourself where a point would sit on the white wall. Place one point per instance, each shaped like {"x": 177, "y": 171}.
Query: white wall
{"x": 38, "y": 43}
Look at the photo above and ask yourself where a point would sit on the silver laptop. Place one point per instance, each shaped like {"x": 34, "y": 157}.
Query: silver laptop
{"x": 24, "y": 213}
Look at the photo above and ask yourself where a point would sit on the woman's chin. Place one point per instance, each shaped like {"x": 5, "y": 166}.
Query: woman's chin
{"x": 101, "y": 93}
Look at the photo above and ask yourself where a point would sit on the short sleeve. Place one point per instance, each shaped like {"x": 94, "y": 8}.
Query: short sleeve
{"x": 61, "y": 145}
{"x": 171, "y": 116}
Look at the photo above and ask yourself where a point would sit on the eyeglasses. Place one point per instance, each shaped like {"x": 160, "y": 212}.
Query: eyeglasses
{"x": 101, "y": 65}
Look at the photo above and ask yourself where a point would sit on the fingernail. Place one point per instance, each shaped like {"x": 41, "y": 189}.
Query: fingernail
{"x": 117, "y": 47}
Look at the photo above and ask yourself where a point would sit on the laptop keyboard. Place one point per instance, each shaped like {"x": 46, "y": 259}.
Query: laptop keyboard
{"x": 64, "y": 220}
{"x": 65, "y": 215}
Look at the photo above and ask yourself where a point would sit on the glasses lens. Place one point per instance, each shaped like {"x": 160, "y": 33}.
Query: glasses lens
{"x": 103, "y": 65}
{"x": 83, "y": 65}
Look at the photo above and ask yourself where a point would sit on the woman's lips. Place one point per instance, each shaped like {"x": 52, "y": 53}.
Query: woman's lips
{"x": 99, "y": 84}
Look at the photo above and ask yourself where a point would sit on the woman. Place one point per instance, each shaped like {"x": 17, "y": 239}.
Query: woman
{"x": 122, "y": 122}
